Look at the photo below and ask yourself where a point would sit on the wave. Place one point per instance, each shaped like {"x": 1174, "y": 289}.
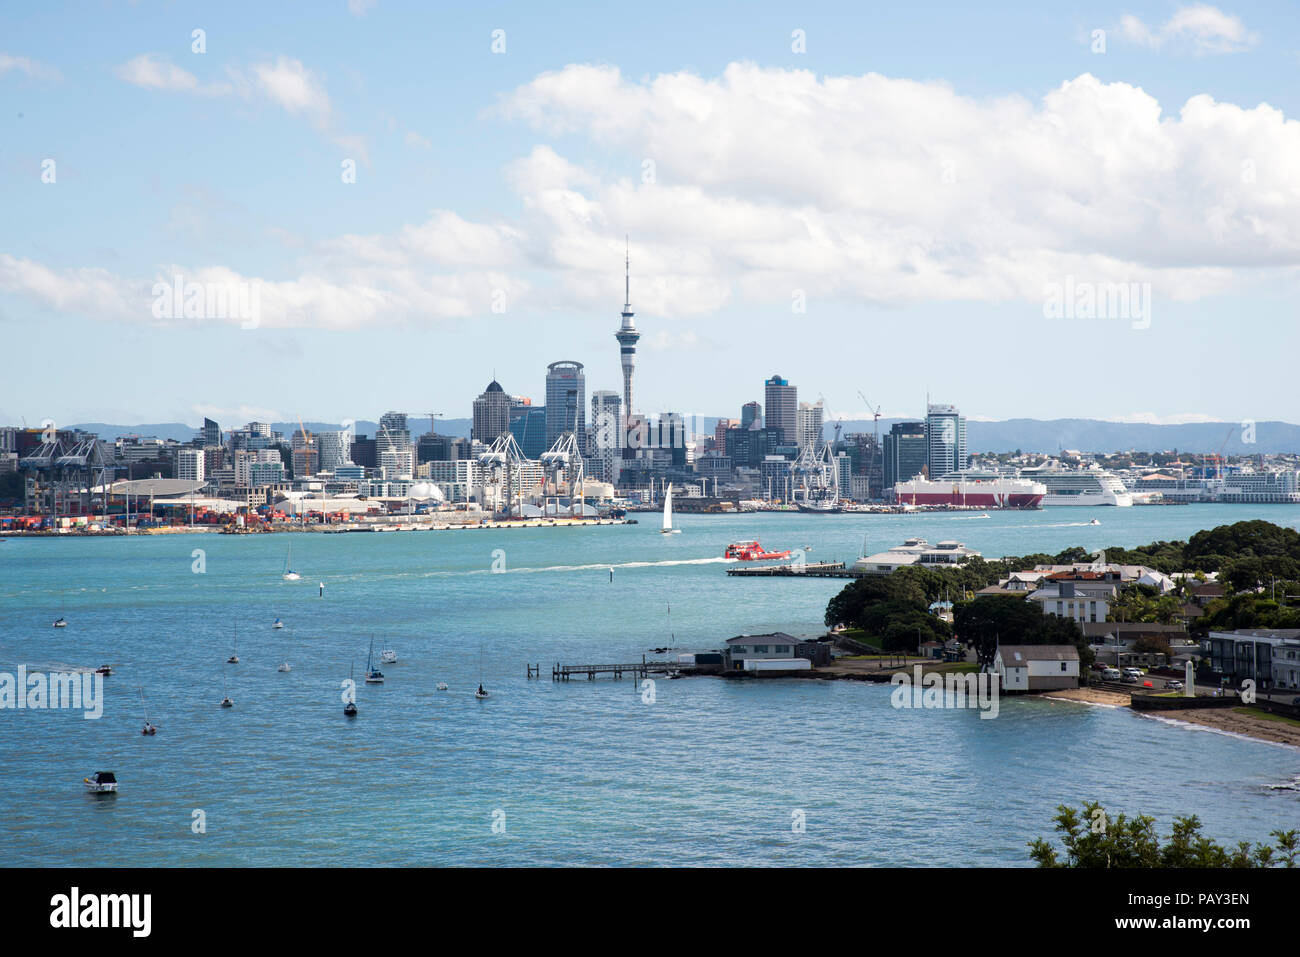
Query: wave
{"x": 1194, "y": 726}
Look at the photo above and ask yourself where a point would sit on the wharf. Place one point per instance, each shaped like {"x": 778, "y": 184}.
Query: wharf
{"x": 636, "y": 669}
{"x": 806, "y": 570}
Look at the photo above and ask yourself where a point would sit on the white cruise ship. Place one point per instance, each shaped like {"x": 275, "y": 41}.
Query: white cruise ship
{"x": 1079, "y": 486}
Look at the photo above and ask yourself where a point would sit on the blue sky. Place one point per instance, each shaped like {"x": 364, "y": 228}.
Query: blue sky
{"x": 918, "y": 178}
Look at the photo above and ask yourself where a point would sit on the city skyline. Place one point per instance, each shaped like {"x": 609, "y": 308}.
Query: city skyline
{"x": 839, "y": 251}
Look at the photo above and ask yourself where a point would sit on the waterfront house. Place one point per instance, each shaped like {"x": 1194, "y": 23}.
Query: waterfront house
{"x": 776, "y": 651}
{"x": 1260, "y": 654}
{"x": 1037, "y": 667}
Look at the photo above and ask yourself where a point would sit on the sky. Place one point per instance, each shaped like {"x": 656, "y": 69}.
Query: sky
{"x": 878, "y": 202}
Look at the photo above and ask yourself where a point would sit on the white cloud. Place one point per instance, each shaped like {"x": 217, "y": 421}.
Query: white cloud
{"x": 28, "y": 66}
{"x": 359, "y": 8}
{"x": 413, "y": 138}
{"x": 854, "y": 189}
{"x": 286, "y": 82}
{"x": 1176, "y": 418}
{"x": 151, "y": 72}
{"x": 1205, "y": 28}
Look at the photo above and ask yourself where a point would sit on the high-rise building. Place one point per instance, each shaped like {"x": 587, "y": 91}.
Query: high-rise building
{"x": 189, "y": 464}
{"x": 332, "y": 449}
{"x": 945, "y": 430}
{"x": 720, "y": 433}
{"x": 491, "y": 413}
{"x": 566, "y": 399}
{"x": 808, "y": 424}
{"x": 606, "y": 424}
{"x": 906, "y": 452}
{"x": 627, "y": 337}
{"x": 210, "y": 433}
{"x": 529, "y": 430}
{"x": 751, "y": 415}
{"x": 305, "y": 454}
{"x": 782, "y": 401}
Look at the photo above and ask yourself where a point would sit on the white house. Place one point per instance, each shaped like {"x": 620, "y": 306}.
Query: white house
{"x": 1037, "y": 667}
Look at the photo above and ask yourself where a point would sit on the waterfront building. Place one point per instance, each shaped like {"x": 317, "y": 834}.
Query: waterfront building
{"x": 1084, "y": 596}
{"x": 915, "y": 551}
{"x": 1035, "y": 668}
{"x": 566, "y": 397}
{"x": 945, "y": 430}
{"x": 782, "y": 403}
{"x": 491, "y": 413}
{"x": 1254, "y": 654}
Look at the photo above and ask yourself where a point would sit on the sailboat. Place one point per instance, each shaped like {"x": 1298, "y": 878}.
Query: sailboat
{"x": 234, "y": 655}
{"x": 481, "y": 692}
{"x": 148, "y": 729}
{"x": 225, "y": 701}
{"x": 289, "y": 574}
{"x": 277, "y": 623}
{"x": 350, "y": 703}
{"x": 668, "y": 513}
{"x": 373, "y": 675}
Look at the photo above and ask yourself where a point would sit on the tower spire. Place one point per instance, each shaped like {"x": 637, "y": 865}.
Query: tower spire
{"x": 627, "y": 334}
{"x": 627, "y": 274}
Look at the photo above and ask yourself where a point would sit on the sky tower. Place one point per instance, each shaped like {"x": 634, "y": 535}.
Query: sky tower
{"x": 627, "y": 337}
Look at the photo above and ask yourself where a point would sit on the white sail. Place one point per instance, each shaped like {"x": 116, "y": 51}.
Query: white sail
{"x": 668, "y": 509}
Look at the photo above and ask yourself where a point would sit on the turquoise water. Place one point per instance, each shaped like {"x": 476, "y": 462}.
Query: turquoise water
{"x": 583, "y": 773}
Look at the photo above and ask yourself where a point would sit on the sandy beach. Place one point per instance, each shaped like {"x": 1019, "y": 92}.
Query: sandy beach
{"x": 1239, "y": 721}
{"x": 1091, "y": 696}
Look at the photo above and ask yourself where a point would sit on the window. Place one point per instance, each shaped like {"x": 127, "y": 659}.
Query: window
{"x": 737, "y": 649}
{"x": 760, "y": 649}
{"x": 1063, "y": 668}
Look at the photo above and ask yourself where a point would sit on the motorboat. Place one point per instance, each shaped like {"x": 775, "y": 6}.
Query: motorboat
{"x": 441, "y": 686}
{"x": 1093, "y": 522}
{"x": 104, "y": 670}
{"x": 752, "y": 552}
{"x": 388, "y": 656}
{"x": 277, "y": 624}
{"x": 284, "y": 667}
{"x": 101, "y": 782}
{"x": 60, "y": 622}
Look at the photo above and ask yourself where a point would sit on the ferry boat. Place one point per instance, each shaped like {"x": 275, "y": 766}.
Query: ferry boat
{"x": 1079, "y": 486}
{"x": 993, "y": 492}
{"x": 752, "y": 552}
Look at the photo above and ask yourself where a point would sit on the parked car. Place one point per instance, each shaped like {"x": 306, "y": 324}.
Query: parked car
{"x": 1111, "y": 674}
{"x": 1129, "y": 679}
{"x": 1174, "y": 685}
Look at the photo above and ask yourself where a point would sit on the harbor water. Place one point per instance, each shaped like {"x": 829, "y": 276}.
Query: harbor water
{"x": 702, "y": 771}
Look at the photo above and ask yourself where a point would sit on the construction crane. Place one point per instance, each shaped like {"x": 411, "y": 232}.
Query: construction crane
{"x": 875, "y": 415}
{"x": 433, "y": 424}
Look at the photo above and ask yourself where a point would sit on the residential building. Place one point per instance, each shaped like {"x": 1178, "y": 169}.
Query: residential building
{"x": 1036, "y": 667}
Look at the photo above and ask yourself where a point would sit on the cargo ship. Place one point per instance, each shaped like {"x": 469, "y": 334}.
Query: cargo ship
{"x": 974, "y": 493}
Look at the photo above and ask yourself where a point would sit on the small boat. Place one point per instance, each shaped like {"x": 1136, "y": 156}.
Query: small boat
{"x": 284, "y": 667}
{"x": 60, "y": 622}
{"x": 104, "y": 670}
{"x": 388, "y": 656}
{"x": 480, "y": 693}
{"x": 277, "y": 624}
{"x": 441, "y": 686}
{"x": 1094, "y": 522}
{"x": 674, "y": 675}
{"x": 349, "y": 696}
{"x": 373, "y": 675}
{"x": 289, "y": 574}
{"x": 668, "y": 513}
{"x": 752, "y": 552}
{"x": 234, "y": 654}
{"x": 225, "y": 701}
{"x": 148, "y": 730}
{"x": 101, "y": 782}
{"x": 350, "y": 709}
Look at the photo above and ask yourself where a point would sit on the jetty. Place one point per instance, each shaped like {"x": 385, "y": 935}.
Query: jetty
{"x": 805, "y": 570}
{"x": 636, "y": 669}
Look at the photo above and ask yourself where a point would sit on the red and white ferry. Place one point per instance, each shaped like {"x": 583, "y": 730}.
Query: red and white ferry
{"x": 976, "y": 493}
{"x": 752, "y": 552}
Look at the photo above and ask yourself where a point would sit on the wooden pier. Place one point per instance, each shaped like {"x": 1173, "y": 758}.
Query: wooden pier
{"x": 637, "y": 669}
{"x": 807, "y": 570}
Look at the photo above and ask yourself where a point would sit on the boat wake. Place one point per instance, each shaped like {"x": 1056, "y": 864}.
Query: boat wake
{"x": 606, "y": 565}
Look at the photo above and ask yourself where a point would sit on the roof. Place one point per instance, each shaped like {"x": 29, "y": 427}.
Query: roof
{"x": 777, "y": 636}
{"x": 1017, "y": 655}
{"x": 161, "y": 488}
{"x": 1132, "y": 628}
{"x": 494, "y": 386}
{"x": 1209, "y": 590}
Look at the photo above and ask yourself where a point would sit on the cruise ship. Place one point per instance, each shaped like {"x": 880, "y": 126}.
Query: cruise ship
{"x": 993, "y": 492}
{"x": 1079, "y": 486}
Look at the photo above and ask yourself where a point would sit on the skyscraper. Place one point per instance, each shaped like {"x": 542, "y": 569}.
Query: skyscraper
{"x": 782, "y": 400}
{"x": 491, "y": 413}
{"x": 751, "y": 415}
{"x": 905, "y": 452}
{"x": 210, "y": 433}
{"x": 627, "y": 337}
{"x": 945, "y": 430}
{"x": 566, "y": 398}
{"x": 808, "y": 424}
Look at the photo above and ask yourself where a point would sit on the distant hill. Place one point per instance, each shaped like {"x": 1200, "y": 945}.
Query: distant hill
{"x": 1027, "y": 435}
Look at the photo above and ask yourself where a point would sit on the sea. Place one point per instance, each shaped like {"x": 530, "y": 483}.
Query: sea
{"x": 701, "y": 771}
